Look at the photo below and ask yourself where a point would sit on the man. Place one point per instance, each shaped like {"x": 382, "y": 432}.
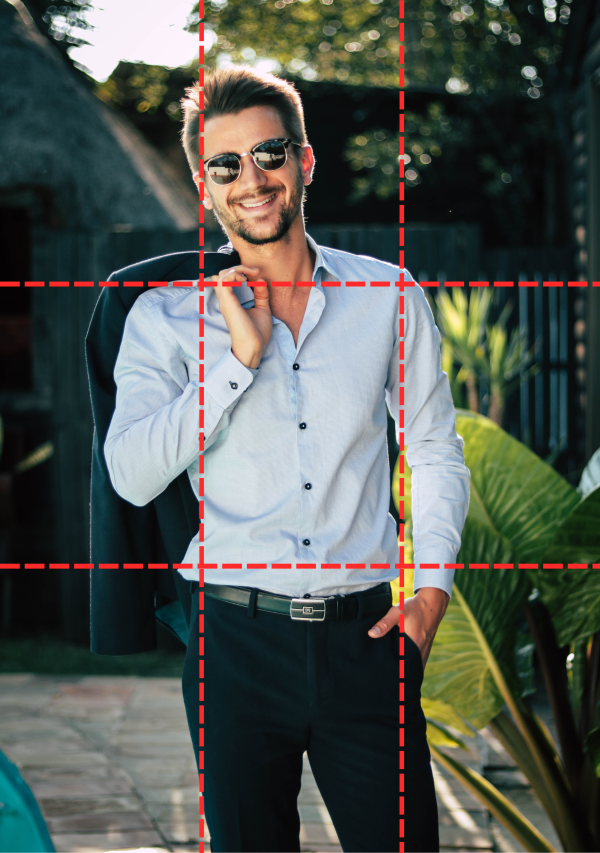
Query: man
{"x": 297, "y": 545}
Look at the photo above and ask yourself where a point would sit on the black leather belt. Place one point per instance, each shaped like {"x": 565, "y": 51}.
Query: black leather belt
{"x": 307, "y": 608}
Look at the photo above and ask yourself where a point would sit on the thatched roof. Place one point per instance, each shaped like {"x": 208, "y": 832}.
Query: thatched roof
{"x": 90, "y": 168}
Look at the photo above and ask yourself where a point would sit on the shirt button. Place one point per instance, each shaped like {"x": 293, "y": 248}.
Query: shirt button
{"x": 233, "y": 385}
{"x": 308, "y": 486}
{"x": 296, "y": 366}
{"x": 306, "y": 542}
{"x": 302, "y": 426}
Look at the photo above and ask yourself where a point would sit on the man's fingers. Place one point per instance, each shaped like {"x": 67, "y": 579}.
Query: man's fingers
{"x": 384, "y": 625}
{"x": 261, "y": 295}
{"x": 233, "y": 273}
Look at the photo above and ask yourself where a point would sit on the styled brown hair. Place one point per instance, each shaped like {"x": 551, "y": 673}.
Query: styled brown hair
{"x": 233, "y": 89}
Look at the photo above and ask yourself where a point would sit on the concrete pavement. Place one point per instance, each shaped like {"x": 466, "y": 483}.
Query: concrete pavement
{"x": 88, "y": 748}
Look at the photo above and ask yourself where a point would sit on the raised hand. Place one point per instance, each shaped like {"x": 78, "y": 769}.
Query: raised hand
{"x": 250, "y": 329}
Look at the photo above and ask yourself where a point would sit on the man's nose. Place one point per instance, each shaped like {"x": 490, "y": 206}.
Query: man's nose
{"x": 251, "y": 175}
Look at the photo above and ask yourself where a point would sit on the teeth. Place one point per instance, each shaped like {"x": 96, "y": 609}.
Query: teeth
{"x": 260, "y": 203}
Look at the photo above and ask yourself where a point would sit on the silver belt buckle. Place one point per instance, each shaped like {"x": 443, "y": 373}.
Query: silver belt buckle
{"x": 311, "y": 609}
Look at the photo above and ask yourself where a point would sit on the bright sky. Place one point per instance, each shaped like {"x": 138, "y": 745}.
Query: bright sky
{"x": 150, "y": 31}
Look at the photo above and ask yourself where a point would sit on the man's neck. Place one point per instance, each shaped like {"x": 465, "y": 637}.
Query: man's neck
{"x": 290, "y": 259}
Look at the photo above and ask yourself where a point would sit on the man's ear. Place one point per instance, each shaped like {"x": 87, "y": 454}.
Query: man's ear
{"x": 207, "y": 202}
{"x": 308, "y": 168}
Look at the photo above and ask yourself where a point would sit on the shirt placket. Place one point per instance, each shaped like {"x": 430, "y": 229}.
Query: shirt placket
{"x": 307, "y": 478}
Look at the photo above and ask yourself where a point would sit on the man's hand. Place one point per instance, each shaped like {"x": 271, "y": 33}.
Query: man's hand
{"x": 251, "y": 328}
{"x": 422, "y": 616}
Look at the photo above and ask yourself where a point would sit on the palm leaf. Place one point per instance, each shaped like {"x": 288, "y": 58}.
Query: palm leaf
{"x": 502, "y": 809}
{"x": 513, "y": 490}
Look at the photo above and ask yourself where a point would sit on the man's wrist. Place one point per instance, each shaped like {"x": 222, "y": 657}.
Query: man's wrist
{"x": 433, "y": 603}
{"x": 251, "y": 360}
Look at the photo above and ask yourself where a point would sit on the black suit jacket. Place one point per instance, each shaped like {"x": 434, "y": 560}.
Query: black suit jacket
{"x": 125, "y": 603}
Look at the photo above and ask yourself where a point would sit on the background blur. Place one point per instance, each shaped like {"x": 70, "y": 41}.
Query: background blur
{"x": 500, "y": 175}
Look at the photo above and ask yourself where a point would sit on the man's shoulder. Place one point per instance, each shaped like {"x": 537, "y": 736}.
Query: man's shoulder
{"x": 353, "y": 267}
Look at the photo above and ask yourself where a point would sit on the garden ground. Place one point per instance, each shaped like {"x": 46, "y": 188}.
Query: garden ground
{"x": 110, "y": 762}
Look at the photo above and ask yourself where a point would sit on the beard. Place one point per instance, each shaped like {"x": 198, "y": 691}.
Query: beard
{"x": 248, "y": 231}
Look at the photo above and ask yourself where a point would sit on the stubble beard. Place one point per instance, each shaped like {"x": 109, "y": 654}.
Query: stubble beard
{"x": 242, "y": 229}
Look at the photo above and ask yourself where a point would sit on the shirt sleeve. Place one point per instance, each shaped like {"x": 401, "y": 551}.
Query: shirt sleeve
{"x": 434, "y": 450}
{"x": 153, "y": 435}
{"x": 224, "y": 385}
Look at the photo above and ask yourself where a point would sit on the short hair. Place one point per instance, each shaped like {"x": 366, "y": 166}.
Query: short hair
{"x": 230, "y": 90}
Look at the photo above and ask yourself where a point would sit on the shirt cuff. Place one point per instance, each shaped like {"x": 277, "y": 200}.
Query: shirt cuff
{"x": 227, "y": 380}
{"x": 441, "y": 578}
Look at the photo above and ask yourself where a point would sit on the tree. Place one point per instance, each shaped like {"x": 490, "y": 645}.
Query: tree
{"x": 489, "y": 68}
{"x": 66, "y": 25}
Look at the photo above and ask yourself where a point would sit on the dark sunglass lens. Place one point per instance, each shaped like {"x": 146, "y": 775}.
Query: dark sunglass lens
{"x": 270, "y": 155}
{"x": 224, "y": 170}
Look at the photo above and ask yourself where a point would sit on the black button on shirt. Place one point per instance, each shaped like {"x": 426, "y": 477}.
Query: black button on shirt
{"x": 234, "y": 385}
{"x": 306, "y": 542}
{"x": 307, "y": 486}
{"x": 302, "y": 426}
{"x": 296, "y": 366}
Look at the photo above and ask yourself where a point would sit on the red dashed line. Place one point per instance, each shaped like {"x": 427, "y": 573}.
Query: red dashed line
{"x": 201, "y": 284}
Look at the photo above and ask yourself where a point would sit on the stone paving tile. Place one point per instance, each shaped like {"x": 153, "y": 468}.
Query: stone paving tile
{"x": 314, "y": 813}
{"x": 56, "y": 759}
{"x": 105, "y": 740}
{"x": 180, "y": 830}
{"x": 98, "y": 842}
{"x": 319, "y": 848}
{"x": 458, "y": 839}
{"x": 318, "y": 833}
{"x": 48, "y": 782}
{"x": 185, "y": 795}
{"x": 102, "y": 822}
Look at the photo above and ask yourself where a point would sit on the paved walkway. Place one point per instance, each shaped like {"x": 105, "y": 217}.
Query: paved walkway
{"x": 89, "y": 749}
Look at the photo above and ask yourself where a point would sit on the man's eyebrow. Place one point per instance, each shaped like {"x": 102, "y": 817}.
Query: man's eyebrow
{"x": 221, "y": 153}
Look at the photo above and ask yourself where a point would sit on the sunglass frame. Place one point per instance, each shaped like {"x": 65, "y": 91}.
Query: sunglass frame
{"x": 286, "y": 141}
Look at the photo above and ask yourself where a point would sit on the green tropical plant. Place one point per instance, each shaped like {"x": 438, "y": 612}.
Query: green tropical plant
{"x": 527, "y": 543}
{"x": 483, "y": 350}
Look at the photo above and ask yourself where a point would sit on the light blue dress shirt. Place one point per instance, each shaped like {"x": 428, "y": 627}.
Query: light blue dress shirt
{"x": 296, "y": 477}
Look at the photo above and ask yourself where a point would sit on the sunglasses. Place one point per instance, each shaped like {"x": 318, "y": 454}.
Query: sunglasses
{"x": 268, "y": 156}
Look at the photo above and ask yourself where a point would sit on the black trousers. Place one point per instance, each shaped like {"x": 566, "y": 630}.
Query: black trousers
{"x": 275, "y": 688}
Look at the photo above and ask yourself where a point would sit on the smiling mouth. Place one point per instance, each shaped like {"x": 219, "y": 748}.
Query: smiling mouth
{"x": 259, "y": 203}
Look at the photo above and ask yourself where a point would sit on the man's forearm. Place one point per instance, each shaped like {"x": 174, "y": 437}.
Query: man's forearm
{"x": 433, "y": 604}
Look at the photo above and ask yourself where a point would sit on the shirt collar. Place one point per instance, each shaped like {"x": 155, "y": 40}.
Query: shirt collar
{"x": 246, "y": 295}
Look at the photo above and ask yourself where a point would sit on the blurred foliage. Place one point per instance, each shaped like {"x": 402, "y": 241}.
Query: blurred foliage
{"x": 375, "y": 152}
{"x": 483, "y": 53}
{"x": 66, "y": 24}
{"x": 462, "y": 48}
{"x": 484, "y": 353}
{"x": 147, "y": 89}
{"x": 335, "y": 40}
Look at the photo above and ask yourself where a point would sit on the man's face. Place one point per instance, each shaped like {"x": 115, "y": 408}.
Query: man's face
{"x": 280, "y": 191}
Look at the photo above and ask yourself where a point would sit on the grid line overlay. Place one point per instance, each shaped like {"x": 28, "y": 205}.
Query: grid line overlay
{"x": 401, "y": 427}
{"x": 200, "y": 284}
{"x": 402, "y": 565}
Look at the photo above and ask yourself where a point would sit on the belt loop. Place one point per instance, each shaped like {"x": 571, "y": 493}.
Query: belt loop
{"x": 252, "y": 603}
{"x": 361, "y": 605}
